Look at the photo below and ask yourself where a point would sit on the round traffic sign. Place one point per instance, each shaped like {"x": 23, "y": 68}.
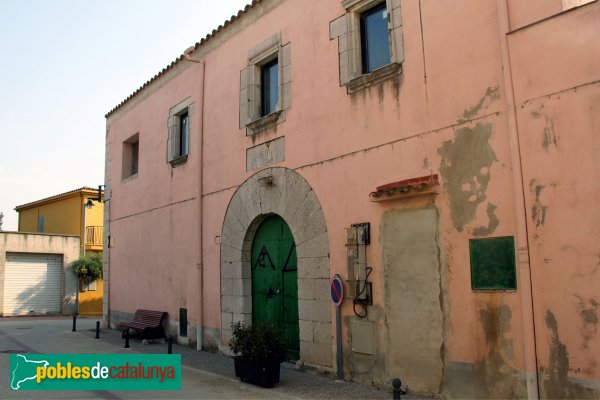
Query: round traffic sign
{"x": 337, "y": 290}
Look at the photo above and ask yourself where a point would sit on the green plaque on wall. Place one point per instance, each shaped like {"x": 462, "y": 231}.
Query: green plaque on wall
{"x": 493, "y": 264}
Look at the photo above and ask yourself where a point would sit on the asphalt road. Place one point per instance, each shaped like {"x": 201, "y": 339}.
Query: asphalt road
{"x": 204, "y": 375}
{"x": 54, "y": 335}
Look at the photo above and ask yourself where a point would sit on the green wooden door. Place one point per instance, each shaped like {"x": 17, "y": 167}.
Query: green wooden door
{"x": 275, "y": 280}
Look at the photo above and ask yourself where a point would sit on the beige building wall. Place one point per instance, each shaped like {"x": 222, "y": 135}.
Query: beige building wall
{"x": 66, "y": 246}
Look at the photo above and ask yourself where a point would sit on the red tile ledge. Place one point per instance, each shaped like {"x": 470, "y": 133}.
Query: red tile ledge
{"x": 422, "y": 186}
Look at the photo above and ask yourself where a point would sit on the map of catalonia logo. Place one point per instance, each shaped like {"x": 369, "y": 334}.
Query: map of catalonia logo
{"x": 24, "y": 369}
{"x": 95, "y": 371}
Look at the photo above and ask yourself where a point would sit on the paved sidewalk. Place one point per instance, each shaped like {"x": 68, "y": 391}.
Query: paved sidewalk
{"x": 204, "y": 375}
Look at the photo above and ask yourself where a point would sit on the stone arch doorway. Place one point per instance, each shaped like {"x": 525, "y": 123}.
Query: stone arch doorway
{"x": 275, "y": 280}
{"x": 285, "y": 193}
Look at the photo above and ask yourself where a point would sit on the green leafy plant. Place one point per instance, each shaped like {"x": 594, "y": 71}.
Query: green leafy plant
{"x": 88, "y": 268}
{"x": 260, "y": 341}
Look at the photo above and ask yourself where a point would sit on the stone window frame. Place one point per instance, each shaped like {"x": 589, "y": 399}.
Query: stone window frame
{"x": 250, "y": 85}
{"x": 347, "y": 30}
{"x": 174, "y": 156}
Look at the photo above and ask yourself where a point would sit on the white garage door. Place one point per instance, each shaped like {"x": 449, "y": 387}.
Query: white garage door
{"x": 32, "y": 284}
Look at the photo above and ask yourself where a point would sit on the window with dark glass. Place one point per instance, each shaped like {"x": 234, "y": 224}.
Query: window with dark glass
{"x": 375, "y": 41}
{"x": 135, "y": 148}
{"x": 183, "y": 133}
{"x": 131, "y": 148}
{"x": 269, "y": 87}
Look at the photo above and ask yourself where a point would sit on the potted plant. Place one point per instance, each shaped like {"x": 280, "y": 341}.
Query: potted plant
{"x": 259, "y": 350}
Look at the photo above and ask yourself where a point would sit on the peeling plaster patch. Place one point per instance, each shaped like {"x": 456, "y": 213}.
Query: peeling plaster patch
{"x": 538, "y": 210}
{"x": 425, "y": 163}
{"x": 496, "y": 376}
{"x": 556, "y": 382}
{"x": 491, "y": 94}
{"x": 492, "y": 225}
{"x": 463, "y": 160}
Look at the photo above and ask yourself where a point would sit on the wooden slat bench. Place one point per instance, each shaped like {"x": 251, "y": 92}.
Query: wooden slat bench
{"x": 147, "y": 323}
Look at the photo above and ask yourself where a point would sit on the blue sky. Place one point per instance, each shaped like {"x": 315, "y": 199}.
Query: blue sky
{"x": 64, "y": 65}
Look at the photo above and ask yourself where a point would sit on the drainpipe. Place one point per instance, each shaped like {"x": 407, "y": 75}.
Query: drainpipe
{"x": 524, "y": 267}
{"x": 106, "y": 266}
{"x": 200, "y": 331}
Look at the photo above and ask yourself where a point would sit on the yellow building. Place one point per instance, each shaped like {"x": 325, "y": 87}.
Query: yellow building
{"x": 66, "y": 214}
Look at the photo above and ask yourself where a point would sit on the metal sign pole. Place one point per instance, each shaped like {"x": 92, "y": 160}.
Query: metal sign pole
{"x": 337, "y": 297}
{"x": 338, "y": 335}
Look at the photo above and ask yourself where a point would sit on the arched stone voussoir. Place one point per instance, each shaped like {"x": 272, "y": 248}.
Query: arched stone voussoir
{"x": 286, "y": 193}
{"x": 315, "y": 247}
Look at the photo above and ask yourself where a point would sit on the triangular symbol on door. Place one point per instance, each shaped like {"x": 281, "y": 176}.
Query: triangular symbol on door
{"x": 264, "y": 260}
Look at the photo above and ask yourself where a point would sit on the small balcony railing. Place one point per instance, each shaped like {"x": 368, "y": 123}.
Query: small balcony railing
{"x": 93, "y": 236}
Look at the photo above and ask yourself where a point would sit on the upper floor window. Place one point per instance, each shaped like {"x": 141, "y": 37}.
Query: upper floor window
{"x": 265, "y": 85}
{"x": 183, "y": 133}
{"x": 131, "y": 153}
{"x": 179, "y": 124}
{"x": 370, "y": 42}
{"x": 269, "y": 87}
{"x": 375, "y": 41}
{"x": 135, "y": 152}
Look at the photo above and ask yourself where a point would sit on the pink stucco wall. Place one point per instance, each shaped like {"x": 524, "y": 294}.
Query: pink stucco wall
{"x": 558, "y": 109}
{"x": 345, "y": 146}
{"x": 154, "y": 216}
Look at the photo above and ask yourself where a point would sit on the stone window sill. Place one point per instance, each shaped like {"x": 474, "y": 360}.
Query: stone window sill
{"x": 263, "y": 123}
{"x": 379, "y": 75}
{"x": 178, "y": 161}
{"x": 129, "y": 178}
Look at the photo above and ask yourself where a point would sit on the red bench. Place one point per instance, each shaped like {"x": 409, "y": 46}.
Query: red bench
{"x": 147, "y": 323}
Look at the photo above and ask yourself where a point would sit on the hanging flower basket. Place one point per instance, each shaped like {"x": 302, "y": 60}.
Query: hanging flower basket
{"x": 88, "y": 268}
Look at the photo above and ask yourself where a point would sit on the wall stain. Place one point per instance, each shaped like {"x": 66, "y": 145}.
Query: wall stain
{"x": 496, "y": 322}
{"x": 380, "y": 93}
{"x": 491, "y": 94}
{"x": 465, "y": 167}
{"x": 492, "y": 224}
{"x": 498, "y": 378}
{"x": 425, "y": 163}
{"x": 538, "y": 210}
{"x": 396, "y": 87}
{"x": 556, "y": 384}
{"x": 588, "y": 312}
{"x": 550, "y": 139}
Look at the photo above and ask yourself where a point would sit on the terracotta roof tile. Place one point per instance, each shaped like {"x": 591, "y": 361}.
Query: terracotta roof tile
{"x": 85, "y": 188}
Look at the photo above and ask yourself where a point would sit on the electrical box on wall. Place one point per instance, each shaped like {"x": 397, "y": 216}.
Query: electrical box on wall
{"x": 357, "y": 237}
{"x": 351, "y": 236}
{"x": 363, "y": 232}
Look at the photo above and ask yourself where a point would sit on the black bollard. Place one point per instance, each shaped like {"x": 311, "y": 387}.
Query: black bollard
{"x": 170, "y": 345}
{"x": 74, "y": 323}
{"x": 397, "y": 391}
{"x": 97, "y": 329}
{"x": 126, "y": 339}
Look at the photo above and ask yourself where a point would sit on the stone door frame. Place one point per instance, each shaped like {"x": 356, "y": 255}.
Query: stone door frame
{"x": 284, "y": 192}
